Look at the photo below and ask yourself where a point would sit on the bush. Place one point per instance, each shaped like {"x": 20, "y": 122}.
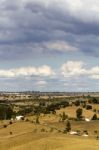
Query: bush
{"x": 77, "y": 103}
{"x": 97, "y": 137}
{"x": 95, "y": 132}
{"x": 6, "y": 112}
{"x": 27, "y": 120}
{"x": 64, "y": 116}
{"x": 94, "y": 117}
{"x": 88, "y": 107}
{"x": 10, "y": 122}
{"x": 5, "y": 126}
{"x": 85, "y": 132}
{"x": 84, "y": 105}
{"x": 10, "y": 133}
{"x": 43, "y": 130}
{"x": 37, "y": 120}
{"x": 95, "y": 100}
{"x": 94, "y": 110}
{"x": 79, "y": 113}
{"x": 68, "y": 127}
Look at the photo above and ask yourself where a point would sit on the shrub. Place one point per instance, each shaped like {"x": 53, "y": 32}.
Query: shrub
{"x": 85, "y": 132}
{"x": 77, "y": 103}
{"x": 51, "y": 129}
{"x": 10, "y": 133}
{"x": 5, "y": 126}
{"x": 10, "y": 122}
{"x": 68, "y": 126}
{"x": 95, "y": 132}
{"x": 95, "y": 100}
{"x": 79, "y": 113}
{"x": 97, "y": 137}
{"x": 27, "y": 120}
{"x": 37, "y": 120}
{"x": 94, "y": 110}
{"x": 22, "y": 118}
{"x": 64, "y": 116}
{"x": 94, "y": 117}
{"x": 88, "y": 107}
{"x": 43, "y": 130}
{"x": 6, "y": 112}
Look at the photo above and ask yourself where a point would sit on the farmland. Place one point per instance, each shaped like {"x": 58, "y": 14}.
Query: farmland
{"x": 44, "y": 126}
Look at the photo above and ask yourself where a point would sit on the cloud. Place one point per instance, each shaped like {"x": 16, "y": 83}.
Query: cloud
{"x": 77, "y": 68}
{"x": 73, "y": 68}
{"x": 60, "y": 46}
{"x": 94, "y": 72}
{"x": 31, "y": 27}
{"x": 71, "y": 76}
{"x": 41, "y": 83}
{"x": 95, "y": 77}
{"x": 44, "y": 71}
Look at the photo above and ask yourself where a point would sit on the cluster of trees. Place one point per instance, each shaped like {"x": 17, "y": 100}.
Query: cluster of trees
{"x": 94, "y": 100}
{"x": 50, "y": 108}
{"x": 25, "y": 110}
{"x": 79, "y": 116}
{"x": 6, "y": 112}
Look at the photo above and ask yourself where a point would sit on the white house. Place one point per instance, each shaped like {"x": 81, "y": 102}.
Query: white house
{"x": 19, "y": 117}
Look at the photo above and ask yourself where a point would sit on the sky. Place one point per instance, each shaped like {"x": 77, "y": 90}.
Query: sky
{"x": 49, "y": 45}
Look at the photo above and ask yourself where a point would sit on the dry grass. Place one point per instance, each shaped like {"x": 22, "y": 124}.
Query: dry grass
{"x": 30, "y": 136}
{"x": 71, "y": 111}
{"x": 60, "y": 142}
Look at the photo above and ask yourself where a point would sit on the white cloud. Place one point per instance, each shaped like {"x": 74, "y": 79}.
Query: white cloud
{"x": 41, "y": 83}
{"x": 94, "y": 72}
{"x": 61, "y": 46}
{"x": 77, "y": 68}
{"x": 86, "y": 10}
{"x": 72, "y": 68}
{"x": 27, "y": 71}
{"x": 94, "y": 76}
{"x": 45, "y": 71}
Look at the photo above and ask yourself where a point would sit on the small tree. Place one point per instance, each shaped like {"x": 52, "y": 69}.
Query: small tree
{"x": 77, "y": 103}
{"x": 37, "y": 120}
{"x": 79, "y": 113}
{"x": 95, "y": 100}
{"x": 64, "y": 116}
{"x": 6, "y": 112}
{"x": 94, "y": 117}
{"x": 88, "y": 107}
{"x": 68, "y": 127}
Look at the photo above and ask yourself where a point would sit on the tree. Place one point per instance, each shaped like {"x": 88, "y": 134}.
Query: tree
{"x": 68, "y": 126}
{"x": 6, "y": 112}
{"x": 94, "y": 117}
{"x": 79, "y": 113}
{"x": 95, "y": 100}
{"x": 37, "y": 119}
{"x": 77, "y": 103}
{"x": 88, "y": 107}
{"x": 64, "y": 116}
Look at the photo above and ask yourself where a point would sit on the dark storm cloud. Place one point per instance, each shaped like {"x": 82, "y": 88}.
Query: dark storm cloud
{"x": 27, "y": 25}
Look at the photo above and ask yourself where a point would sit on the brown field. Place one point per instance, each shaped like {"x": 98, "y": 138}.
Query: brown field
{"x": 48, "y": 135}
{"x": 27, "y": 136}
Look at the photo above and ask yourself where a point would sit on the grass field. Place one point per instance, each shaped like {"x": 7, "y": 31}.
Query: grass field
{"x": 60, "y": 142}
{"x": 48, "y": 135}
